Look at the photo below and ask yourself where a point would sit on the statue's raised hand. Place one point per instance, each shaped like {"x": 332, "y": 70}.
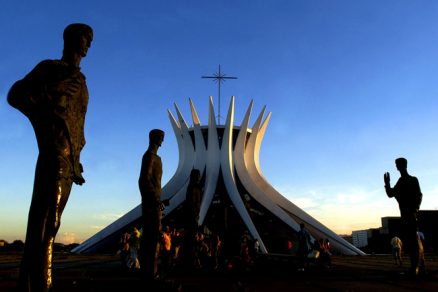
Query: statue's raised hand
{"x": 386, "y": 179}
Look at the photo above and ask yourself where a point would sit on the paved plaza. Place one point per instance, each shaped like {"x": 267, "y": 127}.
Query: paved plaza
{"x": 375, "y": 273}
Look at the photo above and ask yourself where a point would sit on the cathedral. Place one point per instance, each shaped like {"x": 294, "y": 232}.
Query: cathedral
{"x": 236, "y": 200}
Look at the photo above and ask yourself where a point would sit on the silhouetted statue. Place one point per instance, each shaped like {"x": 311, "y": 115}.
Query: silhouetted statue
{"x": 54, "y": 97}
{"x": 408, "y": 194}
{"x": 151, "y": 205}
{"x": 191, "y": 207}
{"x": 192, "y": 203}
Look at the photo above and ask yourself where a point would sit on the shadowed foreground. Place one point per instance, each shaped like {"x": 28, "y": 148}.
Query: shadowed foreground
{"x": 349, "y": 273}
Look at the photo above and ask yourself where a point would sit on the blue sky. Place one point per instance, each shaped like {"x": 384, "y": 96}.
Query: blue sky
{"x": 351, "y": 85}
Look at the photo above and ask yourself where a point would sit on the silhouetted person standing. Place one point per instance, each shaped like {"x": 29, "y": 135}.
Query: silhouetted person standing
{"x": 397, "y": 247}
{"x": 191, "y": 208}
{"x": 54, "y": 97}
{"x": 304, "y": 246}
{"x": 150, "y": 189}
{"x": 408, "y": 195}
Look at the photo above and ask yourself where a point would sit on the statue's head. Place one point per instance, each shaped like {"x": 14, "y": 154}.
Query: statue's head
{"x": 401, "y": 163}
{"x": 77, "y": 38}
{"x": 156, "y": 136}
{"x": 195, "y": 175}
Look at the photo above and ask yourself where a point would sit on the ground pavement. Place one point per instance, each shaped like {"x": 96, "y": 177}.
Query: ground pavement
{"x": 95, "y": 273}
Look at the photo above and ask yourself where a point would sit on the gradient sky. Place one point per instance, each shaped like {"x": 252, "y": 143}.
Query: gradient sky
{"x": 351, "y": 85}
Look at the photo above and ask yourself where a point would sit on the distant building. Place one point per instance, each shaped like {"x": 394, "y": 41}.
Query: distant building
{"x": 377, "y": 240}
{"x": 347, "y": 237}
{"x": 427, "y": 222}
{"x": 391, "y": 226}
{"x": 360, "y": 238}
{"x": 371, "y": 240}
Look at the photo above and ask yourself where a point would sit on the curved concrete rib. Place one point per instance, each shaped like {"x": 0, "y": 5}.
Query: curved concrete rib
{"x": 180, "y": 185}
{"x": 177, "y": 199}
{"x": 258, "y": 142}
{"x": 188, "y": 143}
{"x": 212, "y": 164}
{"x": 247, "y": 181}
{"x": 200, "y": 150}
{"x": 314, "y": 226}
{"x": 174, "y": 184}
{"x": 119, "y": 224}
{"x": 187, "y": 158}
{"x": 227, "y": 167}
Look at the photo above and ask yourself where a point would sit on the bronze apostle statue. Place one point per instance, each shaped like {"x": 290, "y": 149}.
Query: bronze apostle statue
{"x": 408, "y": 194}
{"x": 54, "y": 97}
{"x": 191, "y": 208}
{"x": 150, "y": 189}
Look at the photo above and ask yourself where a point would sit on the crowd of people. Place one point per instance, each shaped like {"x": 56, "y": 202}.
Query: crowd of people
{"x": 203, "y": 252}
{"x": 196, "y": 251}
{"x": 317, "y": 251}
{"x": 175, "y": 250}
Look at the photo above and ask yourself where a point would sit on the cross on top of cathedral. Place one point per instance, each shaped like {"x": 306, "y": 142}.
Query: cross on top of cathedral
{"x": 219, "y": 77}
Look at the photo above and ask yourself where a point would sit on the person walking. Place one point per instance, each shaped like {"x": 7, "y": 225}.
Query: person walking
{"x": 134, "y": 246}
{"x": 397, "y": 247}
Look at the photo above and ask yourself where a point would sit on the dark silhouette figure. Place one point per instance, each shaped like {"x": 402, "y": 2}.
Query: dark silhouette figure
{"x": 191, "y": 208}
{"x": 245, "y": 254}
{"x": 397, "y": 247}
{"x": 324, "y": 258}
{"x": 54, "y": 97}
{"x": 124, "y": 250}
{"x": 304, "y": 246}
{"x": 192, "y": 203}
{"x": 150, "y": 189}
{"x": 408, "y": 195}
{"x": 166, "y": 250}
{"x": 215, "y": 250}
{"x": 202, "y": 251}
